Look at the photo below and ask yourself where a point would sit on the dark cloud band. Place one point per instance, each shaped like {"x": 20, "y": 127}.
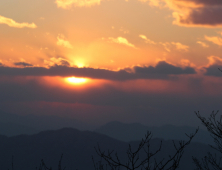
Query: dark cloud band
{"x": 161, "y": 71}
{"x": 214, "y": 70}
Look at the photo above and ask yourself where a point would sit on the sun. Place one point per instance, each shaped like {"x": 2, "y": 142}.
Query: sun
{"x": 76, "y": 81}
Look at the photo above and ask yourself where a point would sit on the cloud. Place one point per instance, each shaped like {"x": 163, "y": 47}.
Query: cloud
{"x": 193, "y": 13}
{"x": 62, "y": 42}
{"x": 212, "y": 69}
{"x": 215, "y": 40}
{"x": 208, "y": 17}
{"x": 121, "y": 40}
{"x": 24, "y": 64}
{"x": 10, "y": 22}
{"x": 57, "y": 62}
{"x": 148, "y": 41}
{"x": 214, "y": 60}
{"x": 203, "y": 44}
{"x": 180, "y": 46}
{"x": 64, "y": 63}
{"x": 143, "y": 37}
{"x": 152, "y": 2}
{"x": 166, "y": 45}
{"x": 161, "y": 71}
{"x": 66, "y": 4}
{"x": 164, "y": 68}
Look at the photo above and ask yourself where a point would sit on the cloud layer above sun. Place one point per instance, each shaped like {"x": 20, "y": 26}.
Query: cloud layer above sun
{"x": 161, "y": 71}
{"x": 80, "y": 3}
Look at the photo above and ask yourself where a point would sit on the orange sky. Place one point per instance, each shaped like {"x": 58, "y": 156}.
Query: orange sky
{"x": 106, "y": 34}
{"x": 132, "y": 46}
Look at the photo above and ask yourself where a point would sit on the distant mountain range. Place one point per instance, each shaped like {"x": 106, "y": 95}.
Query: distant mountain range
{"x": 12, "y": 125}
{"x": 135, "y": 131}
{"x": 78, "y": 148}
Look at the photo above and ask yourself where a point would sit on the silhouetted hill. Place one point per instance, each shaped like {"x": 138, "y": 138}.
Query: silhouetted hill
{"x": 135, "y": 131}
{"x": 3, "y": 137}
{"x": 77, "y": 147}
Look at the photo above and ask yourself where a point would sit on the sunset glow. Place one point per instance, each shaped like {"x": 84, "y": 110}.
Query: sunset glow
{"x": 76, "y": 81}
{"x": 149, "y": 55}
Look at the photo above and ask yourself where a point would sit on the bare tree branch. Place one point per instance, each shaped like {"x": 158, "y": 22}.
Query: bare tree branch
{"x": 214, "y": 127}
{"x": 149, "y": 162}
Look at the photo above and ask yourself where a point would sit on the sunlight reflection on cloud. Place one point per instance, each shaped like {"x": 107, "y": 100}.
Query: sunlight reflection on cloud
{"x": 68, "y": 3}
{"x": 10, "y": 22}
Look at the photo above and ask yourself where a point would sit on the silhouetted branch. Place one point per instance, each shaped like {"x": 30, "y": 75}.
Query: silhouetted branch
{"x": 135, "y": 162}
{"x": 214, "y": 127}
{"x": 43, "y": 166}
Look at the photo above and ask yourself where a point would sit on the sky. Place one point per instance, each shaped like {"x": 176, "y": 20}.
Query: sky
{"x": 148, "y": 61}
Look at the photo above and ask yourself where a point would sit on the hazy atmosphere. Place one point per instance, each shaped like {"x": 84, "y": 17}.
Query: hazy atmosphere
{"x": 110, "y": 84}
{"x": 153, "y": 62}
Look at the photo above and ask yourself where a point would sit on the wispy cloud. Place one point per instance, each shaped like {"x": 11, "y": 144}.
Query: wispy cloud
{"x": 62, "y": 42}
{"x": 66, "y": 4}
{"x": 148, "y": 41}
{"x": 10, "y": 22}
{"x": 180, "y": 46}
{"x": 167, "y": 45}
{"x": 215, "y": 40}
{"x": 203, "y": 44}
{"x": 121, "y": 40}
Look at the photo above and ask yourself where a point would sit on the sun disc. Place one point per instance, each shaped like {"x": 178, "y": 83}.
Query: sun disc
{"x": 75, "y": 80}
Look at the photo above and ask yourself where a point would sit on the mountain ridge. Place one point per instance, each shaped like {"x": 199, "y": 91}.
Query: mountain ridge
{"x": 134, "y": 131}
{"x": 78, "y": 147}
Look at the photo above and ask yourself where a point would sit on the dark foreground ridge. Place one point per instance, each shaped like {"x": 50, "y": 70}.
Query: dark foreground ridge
{"x": 77, "y": 148}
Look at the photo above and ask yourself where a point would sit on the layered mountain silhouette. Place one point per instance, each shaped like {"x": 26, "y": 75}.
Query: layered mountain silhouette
{"x": 12, "y": 125}
{"x": 78, "y": 149}
{"x": 135, "y": 131}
